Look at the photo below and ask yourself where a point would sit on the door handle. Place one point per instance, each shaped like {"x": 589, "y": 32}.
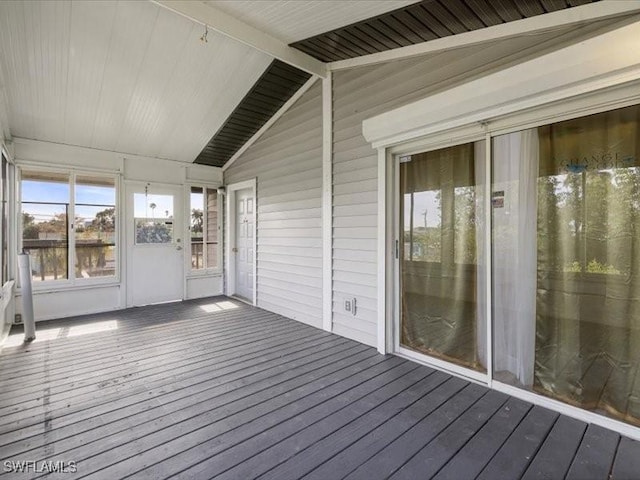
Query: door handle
{"x": 178, "y": 247}
{"x": 234, "y": 250}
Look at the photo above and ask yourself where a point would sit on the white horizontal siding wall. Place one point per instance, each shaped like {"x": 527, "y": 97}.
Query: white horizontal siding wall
{"x": 287, "y": 162}
{"x": 364, "y": 92}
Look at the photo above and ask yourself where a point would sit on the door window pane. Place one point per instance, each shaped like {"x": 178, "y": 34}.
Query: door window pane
{"x": 95, "y": 226}
{"x": 45, "y": 214}
{"x": 153, "y": 217}
{"x": 566, "y": 266}
{"x": 442, "y": 311}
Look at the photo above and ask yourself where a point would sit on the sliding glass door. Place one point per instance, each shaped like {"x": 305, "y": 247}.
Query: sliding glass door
{"x": 566, "y": 262}
{"x": 441, "y": 195}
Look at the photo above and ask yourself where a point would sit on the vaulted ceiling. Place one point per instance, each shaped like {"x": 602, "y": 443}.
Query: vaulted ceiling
{"x": 137, "y": 78}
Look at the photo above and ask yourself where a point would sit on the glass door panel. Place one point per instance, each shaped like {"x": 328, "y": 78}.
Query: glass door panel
{"x": 441, "y": 224}
{"x": 566, "y": 269}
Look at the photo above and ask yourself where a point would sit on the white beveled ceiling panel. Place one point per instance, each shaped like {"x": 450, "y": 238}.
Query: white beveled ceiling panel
{"x": 293, "y": 20}
{"x": 125, "y": 76}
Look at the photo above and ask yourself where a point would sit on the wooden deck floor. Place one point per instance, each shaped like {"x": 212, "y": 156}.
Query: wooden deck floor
{"x": 217, "y": 389}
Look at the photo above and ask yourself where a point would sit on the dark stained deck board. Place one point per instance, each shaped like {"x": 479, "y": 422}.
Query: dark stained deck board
{"x": 297, "y": 415}
{"x": 189, "y": 350}
{"x": 595, "y": 455}
{"x": 435, "y": 455}
{"x": 368, "y": 446}
{"x": 474, "y": 456}
{"x": 158, "y": 362}
{"x": 185, "y": 403}
{"x": 556, "y": 453}
{"x": 627, "y": 463}
{"x": 280, "y": 409}
{"x": 177, "y": 391}
{"x": 401, "y": 450}
{"x": 337, "y": 430}
{"x": 104, "y": 399}
{"x": 515, "y": 455}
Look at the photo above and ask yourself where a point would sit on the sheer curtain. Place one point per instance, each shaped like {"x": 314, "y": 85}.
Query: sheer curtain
{"x": 514, "y": 205}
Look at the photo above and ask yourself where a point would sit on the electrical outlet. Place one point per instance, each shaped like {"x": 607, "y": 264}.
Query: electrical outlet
{"x": 350, "y": 306}
{"x": 18, "y": 318}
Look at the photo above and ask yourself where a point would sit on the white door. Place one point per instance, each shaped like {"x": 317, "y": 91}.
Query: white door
{"x": 243, "y": 250}
{"x": 155, "y": 248}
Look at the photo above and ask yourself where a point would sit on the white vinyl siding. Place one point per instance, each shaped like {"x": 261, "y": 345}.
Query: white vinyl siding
{"x": 287, "y": 162}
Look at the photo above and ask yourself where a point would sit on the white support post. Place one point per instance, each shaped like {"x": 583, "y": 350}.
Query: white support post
{"x": 327, "y": 203}
{"x": 382, "y": 252}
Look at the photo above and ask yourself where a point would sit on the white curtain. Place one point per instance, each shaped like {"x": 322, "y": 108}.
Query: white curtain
{"x": 514, "y": 198}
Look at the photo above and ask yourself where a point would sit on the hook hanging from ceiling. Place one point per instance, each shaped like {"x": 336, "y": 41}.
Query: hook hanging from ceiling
{"x": 203, "y": 38}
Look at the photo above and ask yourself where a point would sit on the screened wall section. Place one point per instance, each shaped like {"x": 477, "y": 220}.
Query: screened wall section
{"x": 68, "y": 225}
{"x": 562, "y": 213}
{"x": 204, "y": 228}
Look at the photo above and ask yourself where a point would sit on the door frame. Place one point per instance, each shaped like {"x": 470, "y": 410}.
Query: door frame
{"x": 128, "y": 232}
{"x": 230, "y": 236}
{"x": 394, "y": 281}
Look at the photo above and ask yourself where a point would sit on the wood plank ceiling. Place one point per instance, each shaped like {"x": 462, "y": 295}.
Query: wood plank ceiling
{"x": 128, "y": 77}
{"x": 408, "y": 25}
{"x": 421, "y": 22}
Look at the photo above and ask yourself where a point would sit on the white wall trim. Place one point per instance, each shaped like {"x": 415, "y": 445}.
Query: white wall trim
{"x": 90, "y": 151}
{"x": 604, "y": 61}
{"x": 230, "y": 26}
{"x": 382, "y": 252}
{"x": 230, "y": 236}
{"x": 528, "y": 26}
{"x": 296, "y": 96}
{"x": 327, "y": 203}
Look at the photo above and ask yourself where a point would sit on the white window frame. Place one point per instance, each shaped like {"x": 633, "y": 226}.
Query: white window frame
{"x": 72, "y": 282}
{"x": 201, "y": 272}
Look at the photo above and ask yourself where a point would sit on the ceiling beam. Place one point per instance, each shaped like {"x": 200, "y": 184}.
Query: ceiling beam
{"x": 527, "y": 26}
{"x": 225, "y": 24}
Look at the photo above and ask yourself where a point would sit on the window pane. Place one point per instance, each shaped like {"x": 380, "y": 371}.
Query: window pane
{"x": 212, "y": 228}
{"x": 95, "y": 241}
{"x": 196, "y": 228}
{"x": 95, "y": 190}
{"x": 153, "y": 218}
{"x": 442, "y": 309}
{"x": 95, "y": 226}
{"x": 422, "y": 226}
{"x": 566, "y": 266}
{"x": 45, "y": 209}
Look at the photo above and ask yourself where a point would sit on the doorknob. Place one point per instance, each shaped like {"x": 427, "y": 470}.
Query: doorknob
{"x": 234, "y": 250}
{"x": 178, "y": 247}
